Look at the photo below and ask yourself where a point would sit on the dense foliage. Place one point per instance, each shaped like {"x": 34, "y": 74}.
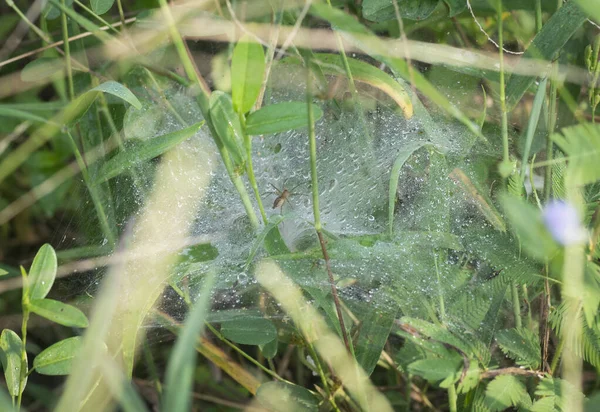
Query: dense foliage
{"x": 300, "y": 206}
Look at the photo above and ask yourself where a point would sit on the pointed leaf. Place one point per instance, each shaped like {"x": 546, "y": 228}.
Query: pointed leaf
{"x": 117, "y": 89}
{"x": 247, "y": 71}
{"x": 10, "y": 355}
{"x": 59, "y": 312}
{"x": 42, "y": 273}
{"x": 57, "y": 359}
{"x": 140, "y": 152}
{"x": 182, "y": 362}
{"x": 280, "y": 117}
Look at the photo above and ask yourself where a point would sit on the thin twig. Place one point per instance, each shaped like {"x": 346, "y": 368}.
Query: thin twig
{"x": 510, "y": 371}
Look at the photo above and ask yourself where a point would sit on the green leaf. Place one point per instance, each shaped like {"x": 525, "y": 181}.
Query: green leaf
{"x": 248, "y": 330}
{"x": 42, "y": 273}
{"x": 22, "y": 114}
{"x": 182, "y": 363}
{"x": 280, "y": 117}
{"x": 59, "y": 312}
{"x": 581, "y": 144}
{"x": 269, "y": 350}
{"x": 101, "y": 6}
{"x": 471, "y": 379}
{"x": 227, "y": 125}
{"x": 456, "y": 6}
{"x": 260, "y": 239}
{"x": 10, "y": 355}
{"x": 382, "y": 10}
{"x": 506, "y": 391}
{"x": 58, "y": 358}
{"x": 117, "y": 89}
{"x": 436, "y": 370}
{"x": 3, "y": 272}
{"x": 140, "y": 152}
{"x": 247, "y": 71}
{"x": 526, "y": 221}
{"x": 545, "y": 46}
{"x": 534, "y": 118}
{"x": 42, "y": 68}
{"x": 557, "y": 390}
{"x": 522, "y": 345}
{"x": 285, "y": 397}
{"x": 395, "y": 176}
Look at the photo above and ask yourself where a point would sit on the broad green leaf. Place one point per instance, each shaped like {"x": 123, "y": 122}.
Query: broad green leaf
{"x": 117, "y": 89}
{"x": 456, "y": 6}
{"x": 285, "y": 397}
{"x": 280, "y": 117}
{"x": 269, "y": 350}
{"x": 10, "y": 354}
{"x": 179, "y": 376}
{"x": 581, "y": 144}
{"x": 331, "y": 64}
{"x": 506, "y": 391}
{"x": 42, "y": 273}
{"x": 247, "y": 330}
{"x": 436, "y": 370}
{"x": 382, "y": 10}
{"x": 3, "y": 272}
{"x": 522, "y": 345}
{"x": 227, "y": 125}
{"x": 57, "y": 359}
{"x": 526, "y": 221}
{"x": 42, "y": 68}
{"x": 546, "y": 45}
{"x": 247, "y": 70}
{"x": 394, "y": 176}
{"x": 59, "y": 312}
{"x": 140, "y": 152}
{"x": 101, "y": 6}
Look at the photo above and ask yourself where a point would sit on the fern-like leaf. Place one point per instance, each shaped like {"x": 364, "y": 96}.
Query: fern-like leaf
{"x": 522, "y": 345}
{"x": 506, "y": 391}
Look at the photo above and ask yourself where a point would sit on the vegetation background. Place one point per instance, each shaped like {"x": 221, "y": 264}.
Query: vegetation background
{"x": 291, "y": 205}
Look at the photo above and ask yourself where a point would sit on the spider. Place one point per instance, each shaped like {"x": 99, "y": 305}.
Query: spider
{"x": 282, "y": 196}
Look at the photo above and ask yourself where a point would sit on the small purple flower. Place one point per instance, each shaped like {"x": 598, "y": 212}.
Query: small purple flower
{"x": 563, "y": 223}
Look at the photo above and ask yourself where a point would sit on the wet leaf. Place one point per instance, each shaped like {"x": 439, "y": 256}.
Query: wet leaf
{"x": 42, "y": 273}
{"x": 227, "y": 125}
{"x": 140, "y": 152}
{"x": 117, "y": 89}
{"x": 58, "y": 358}
{"x": 10, "y": 355}
{"x": 269, "y": 349}
{"x": 280, "y": 117}
{"x": 59, "y": 312}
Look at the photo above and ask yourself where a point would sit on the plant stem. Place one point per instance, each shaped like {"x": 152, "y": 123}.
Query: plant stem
{"x": 440, "y": 291}
{"x": 25, "y": 308}
{"x": 505, "y": 158}
{"x": 516, "y": 306}
{"x": 557, "y": 355}
{"x": 312, "y": 143}
{"x": 452, "y": 398}
{"x": 65, "y": 33}
{"x": 250, "y": 171}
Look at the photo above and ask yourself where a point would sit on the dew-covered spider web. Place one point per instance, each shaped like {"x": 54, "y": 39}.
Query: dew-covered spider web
{"x": 443, "y": 258}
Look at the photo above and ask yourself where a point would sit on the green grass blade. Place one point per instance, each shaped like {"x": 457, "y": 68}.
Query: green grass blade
{"x": 546, "y": 45}
{"x": 180, "y": 371}
{"x": 534, "y": 118}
